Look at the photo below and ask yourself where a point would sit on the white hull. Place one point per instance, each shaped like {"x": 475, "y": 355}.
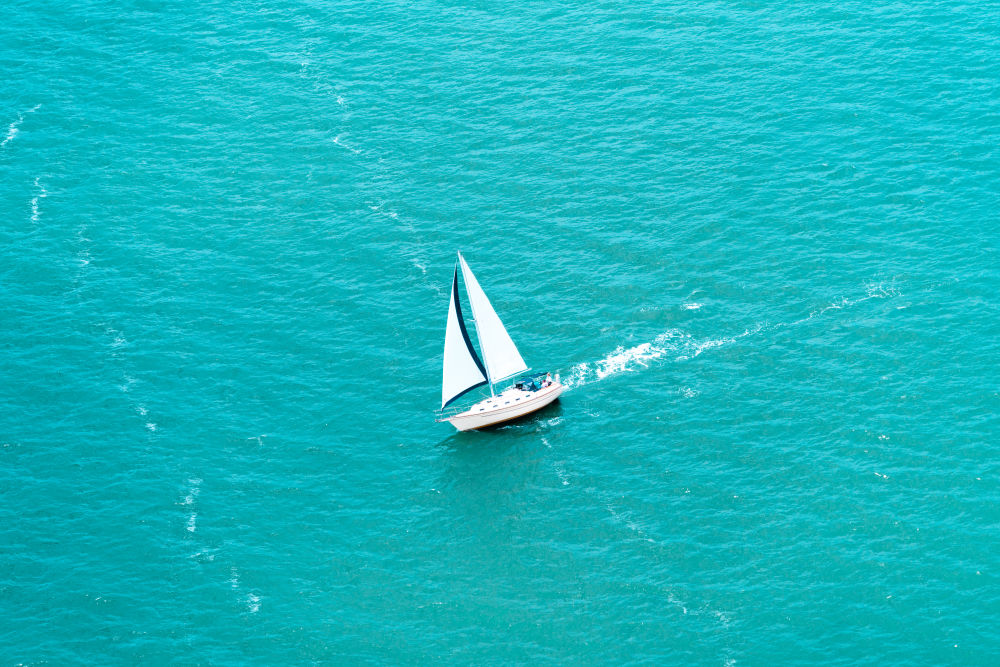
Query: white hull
{"x": 511, "y": 404}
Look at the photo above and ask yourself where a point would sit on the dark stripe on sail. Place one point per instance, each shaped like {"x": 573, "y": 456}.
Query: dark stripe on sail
{"x": 461, "y": 394}
{"x": 468, "y": 343}
{"x": 465, "y": 332}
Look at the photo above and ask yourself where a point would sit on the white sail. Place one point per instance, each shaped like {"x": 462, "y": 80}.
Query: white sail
{"x": 500, "y": 353}
{"x": 462, "y": 368}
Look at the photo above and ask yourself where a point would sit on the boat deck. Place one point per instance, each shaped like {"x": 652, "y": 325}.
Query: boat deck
{"x": 510, "y": 404}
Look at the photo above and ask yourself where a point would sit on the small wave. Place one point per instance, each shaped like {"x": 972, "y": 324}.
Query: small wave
{"x": 340, "y": 143}
{"x": 560, "y": 471}
{"x": 672, "y": 599}
{"x": 692, "y": 306}
{"x": 42, "y": 194}
{"x": 117, "y": 337}
{"x": 409, "y": 251}
{"x": 873, "y": 290}
{"x": 629, "y": 523}
{"x": 253, "y": 603}
{"x": 11, "y": 132}
{"x": 189, "y": 501}
{"x": 13, "y": 129}
{"x": 882, "y": 289}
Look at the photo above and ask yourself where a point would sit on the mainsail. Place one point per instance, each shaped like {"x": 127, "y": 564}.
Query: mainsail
{"x": 462, "y": 368}
{"x": 501, "y": 355}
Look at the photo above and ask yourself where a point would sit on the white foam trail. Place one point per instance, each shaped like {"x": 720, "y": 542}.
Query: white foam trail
{"x": 12, "y": 129}
{"x": 560, "y": 471}
{"x": 873, "y": 290}
{"x": 630, "y": 524}
{"x": 682, "y": 346}
{"x": 625, "y": 519}
{"x": 669, "y": 343}
{"x": 674, "y": 601}
{"x": 879, "y": 290}
{"x": 189, "y": 501}
{"x": 253, "y": 603}
{"x": 406, "y": 250}
{"x": 83, "y": 257}
{"x": 42, "y": 194}
{"x": 340, "y": 143}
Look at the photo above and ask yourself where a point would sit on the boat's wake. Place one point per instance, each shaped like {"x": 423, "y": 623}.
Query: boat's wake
{"x": 13, "y": 128}
{"x": 676, "y": 345}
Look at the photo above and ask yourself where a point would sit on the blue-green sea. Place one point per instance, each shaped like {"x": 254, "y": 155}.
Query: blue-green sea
{"x": 757, "y": 240}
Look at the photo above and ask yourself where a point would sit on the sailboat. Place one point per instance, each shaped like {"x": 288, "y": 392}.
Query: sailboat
{"x": 464, "y": 370}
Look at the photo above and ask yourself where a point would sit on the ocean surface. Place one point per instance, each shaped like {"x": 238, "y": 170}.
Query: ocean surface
{"x": 758, "y": 240}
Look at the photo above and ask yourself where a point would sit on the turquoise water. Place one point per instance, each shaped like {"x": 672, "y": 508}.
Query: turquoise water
{"x": 758, "y": 240}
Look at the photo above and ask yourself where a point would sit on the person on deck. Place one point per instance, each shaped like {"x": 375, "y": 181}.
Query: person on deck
{"x": 548, "y": 380}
